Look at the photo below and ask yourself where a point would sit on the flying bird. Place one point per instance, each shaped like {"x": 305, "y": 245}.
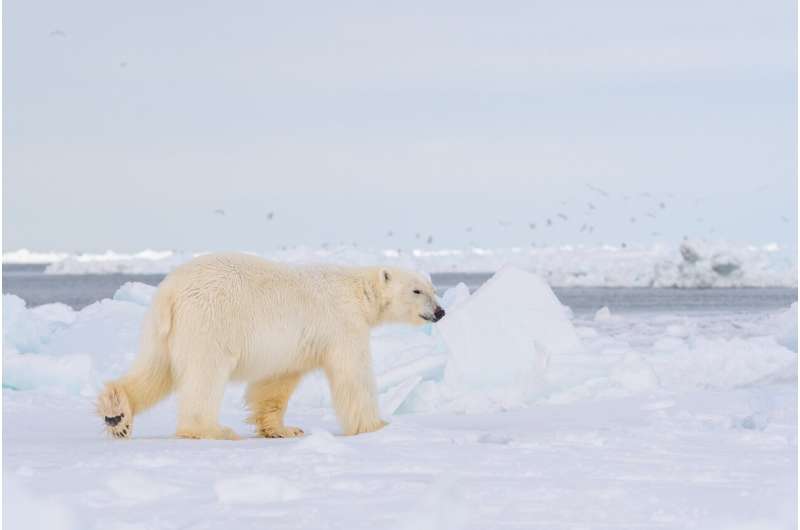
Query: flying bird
{"x": 564, "y": 217}
{"x": 430, "y": 240}
{"x": 219, "y": 211}
{"x": 270, "y": 215}
{"x": 549, "y": 222}
{"x": 595, "y": 189}
{"x": 58, "y": 33}
{"x": 532, "y": 225}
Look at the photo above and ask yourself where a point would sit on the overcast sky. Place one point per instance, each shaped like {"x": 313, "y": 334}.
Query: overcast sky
{"x": 127, "y": 124}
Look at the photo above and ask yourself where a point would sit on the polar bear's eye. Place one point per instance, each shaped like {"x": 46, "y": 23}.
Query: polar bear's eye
{"x": 417, "y": 291}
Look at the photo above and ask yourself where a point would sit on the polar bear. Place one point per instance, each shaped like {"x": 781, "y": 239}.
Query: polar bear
{"x": 224, "y": 317}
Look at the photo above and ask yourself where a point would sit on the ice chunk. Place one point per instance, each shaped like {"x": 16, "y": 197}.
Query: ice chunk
{"x": 503, "y": 333}
{"x": 22, "y": 330}
{"x": 138, "y": 293}
{"x": 255, "y": 489}
{"x": 69, "y": 373}
{"x": 393, "y": 398}
{"x": 786, "y": 324}
{"x": 455, "y": 295}
{"x": 603, "y": 314}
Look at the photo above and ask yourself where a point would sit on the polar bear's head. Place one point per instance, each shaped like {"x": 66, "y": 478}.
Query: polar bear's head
{"x": 408, "y": 297}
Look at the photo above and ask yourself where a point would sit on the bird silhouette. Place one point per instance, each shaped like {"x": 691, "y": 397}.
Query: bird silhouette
{"x": 595, "y": 189}
{"x": 219, "y": 211}
{"x": 270, "y": 216}
{"x": 58, "y": 33}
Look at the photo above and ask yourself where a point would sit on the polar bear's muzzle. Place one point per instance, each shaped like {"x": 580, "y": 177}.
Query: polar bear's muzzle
{"x": 437, "y": 315}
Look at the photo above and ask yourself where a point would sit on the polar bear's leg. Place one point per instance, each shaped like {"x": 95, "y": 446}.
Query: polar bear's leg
{"x": 267, "y": 400}
{"x": 201, "y": 387}
{"x": 349, "y": 373}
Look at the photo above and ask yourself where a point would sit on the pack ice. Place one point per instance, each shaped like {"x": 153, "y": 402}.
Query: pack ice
{"x": 662, "y": 421}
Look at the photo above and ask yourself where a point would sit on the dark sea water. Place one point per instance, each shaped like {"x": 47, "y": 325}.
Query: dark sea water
{"x": 36, "y": 288}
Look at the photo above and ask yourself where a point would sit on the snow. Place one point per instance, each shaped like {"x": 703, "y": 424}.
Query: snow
{"x": 255, "y": 489}
{"x": 696, "y": 263}
{"x": 638, "y": 420}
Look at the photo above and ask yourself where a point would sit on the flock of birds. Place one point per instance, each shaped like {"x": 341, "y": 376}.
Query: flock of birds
{"x": 656, "y": 206}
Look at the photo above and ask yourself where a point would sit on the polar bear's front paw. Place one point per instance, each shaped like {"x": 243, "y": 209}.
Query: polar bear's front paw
{"x": 281, "y": 432}
{"x": 368, "y": 426}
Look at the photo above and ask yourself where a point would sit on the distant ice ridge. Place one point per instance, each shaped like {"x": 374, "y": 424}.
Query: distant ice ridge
{"x": 690, "y": 264}
{"x": 508, "y": 345}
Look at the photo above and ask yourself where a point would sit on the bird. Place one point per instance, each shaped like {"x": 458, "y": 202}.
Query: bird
{"x": 270, "y": 216}
{"x": 532, "y": 226}
{"x": 549, "y": 222}
{"x": 219, "y": 211}
{"x": 662, "y": 205}
{"x": 468, "y": 229}
{"x": 595, "y": 189}
{"x": 58, "y": 33}
{"x": 591, "y": 206}
{"x": 504, "y": 224}
{"x": 123, "y": 64}
{"x": 389, "y": 233}
{"x": 564, "y": 217}
{"x": 651, "y": 214}
{"x": 417, "y": 235}
{"x": 633, "y": 219}
{"x": 430, "y": 240}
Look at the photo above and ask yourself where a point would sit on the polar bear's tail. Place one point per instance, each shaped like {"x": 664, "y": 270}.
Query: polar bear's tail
{"x": 148, "y": 381}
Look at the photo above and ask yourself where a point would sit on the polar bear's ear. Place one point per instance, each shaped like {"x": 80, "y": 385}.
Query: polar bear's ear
{"x": 385, "y": 276}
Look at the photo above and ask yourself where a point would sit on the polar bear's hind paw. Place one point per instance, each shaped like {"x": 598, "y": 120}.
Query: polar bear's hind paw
{"x": 282, "y": 432}
{"x": 113, "y": 406}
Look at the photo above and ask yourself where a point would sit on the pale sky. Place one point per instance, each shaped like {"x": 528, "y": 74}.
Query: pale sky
{"x": 127, "y": 124}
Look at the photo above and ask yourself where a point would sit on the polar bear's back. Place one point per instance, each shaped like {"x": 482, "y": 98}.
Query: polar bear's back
{"x": 267, "y": 315}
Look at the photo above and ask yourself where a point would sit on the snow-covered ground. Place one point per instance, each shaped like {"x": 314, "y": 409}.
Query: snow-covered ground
{"x": 690, "y": 264}
{"x": 613, "y": 420}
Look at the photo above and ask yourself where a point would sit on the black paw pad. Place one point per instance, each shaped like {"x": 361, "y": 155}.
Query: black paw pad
{"x": 112, "y": 421}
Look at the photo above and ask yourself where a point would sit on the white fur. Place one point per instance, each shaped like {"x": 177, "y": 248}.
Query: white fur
{"x": 237, "y": 317}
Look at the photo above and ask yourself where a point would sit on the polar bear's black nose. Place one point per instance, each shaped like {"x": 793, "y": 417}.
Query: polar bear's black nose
{"x": 438, "y": 313}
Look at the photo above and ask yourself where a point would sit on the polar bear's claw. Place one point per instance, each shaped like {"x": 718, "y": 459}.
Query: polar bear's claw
{"x": 114, "y": 407}
{"x": 282, "y": 432}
